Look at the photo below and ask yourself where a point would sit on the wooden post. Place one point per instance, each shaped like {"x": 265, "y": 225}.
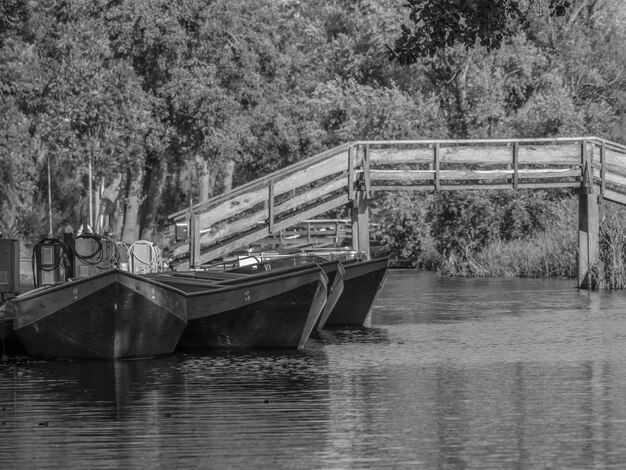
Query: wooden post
{"x": 351, "y": 177}
{"x": 588, "y": 237}
{"x": 366, "y": 170}
{"x": 515, "y": 165}
{"x": 194, "y": 241}
{"x": 360, "y": 223}
{"x": 436, "y": 157}
{"x": 270, "y": 207}
{"x": 603, "y": 168}
{"x": 588, "y": 224}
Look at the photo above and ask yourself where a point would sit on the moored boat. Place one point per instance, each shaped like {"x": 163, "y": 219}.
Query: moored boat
{"x": 333, "y": 269}
{"x": 270, "y": 310}
{"x": 9, "y": 343}
{"x": 111, "y": 315}
{"x": 362, "y": 280}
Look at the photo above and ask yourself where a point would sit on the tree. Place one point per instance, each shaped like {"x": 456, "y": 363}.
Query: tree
{"x": 439, "y": 24}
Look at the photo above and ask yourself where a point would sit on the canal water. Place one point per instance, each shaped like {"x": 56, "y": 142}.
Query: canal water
{"x": 451, "y": 374}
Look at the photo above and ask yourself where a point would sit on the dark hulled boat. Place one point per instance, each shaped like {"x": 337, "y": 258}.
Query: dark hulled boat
{"x": 333, "y": 269}
{"x": 271, "y": 310}
{"x": 362, "y": 282}
{"x": 9, "y": 343}
{"x": 110, "y": 315}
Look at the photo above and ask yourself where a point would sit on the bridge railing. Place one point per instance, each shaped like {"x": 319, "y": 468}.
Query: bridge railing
{"x": 269, "y": 204}
{"x": 333, "y": 178}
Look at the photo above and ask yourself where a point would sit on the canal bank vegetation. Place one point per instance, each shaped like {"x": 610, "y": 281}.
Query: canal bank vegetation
{"x": 498, "y": 234}
{"x": 174, "y": 102}
{"x": 483, "y": 233}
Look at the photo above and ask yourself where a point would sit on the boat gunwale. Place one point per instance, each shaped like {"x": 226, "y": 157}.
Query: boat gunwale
{"x": 221, "y": 287}
{"x": 48, "y": 289}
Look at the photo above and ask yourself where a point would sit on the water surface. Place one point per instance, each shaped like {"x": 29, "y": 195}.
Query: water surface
{"x": 452, "y": 373}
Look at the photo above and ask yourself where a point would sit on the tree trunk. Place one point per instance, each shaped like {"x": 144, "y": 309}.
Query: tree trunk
{"x": 228, "y": 171}
{"x": 119, "y": 204}
{"x": 130, "y": 232}
{"x": 153, "y": 185}
{"x": 460, "y": 88}
{"x": 110, "y": 194}
{"x": 207, "y": 180}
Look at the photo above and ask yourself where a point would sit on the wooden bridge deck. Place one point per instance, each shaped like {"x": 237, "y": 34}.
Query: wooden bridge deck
{"x": 352, "y": 172}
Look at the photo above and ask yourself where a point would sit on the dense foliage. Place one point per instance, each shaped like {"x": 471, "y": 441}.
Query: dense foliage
{"x": 444, "y": 23}
{"x": 172, "y": 102}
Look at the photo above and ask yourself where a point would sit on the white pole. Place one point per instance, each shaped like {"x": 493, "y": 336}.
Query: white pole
{"x": 90, "y": 201}
{"x": 49, "y": 201}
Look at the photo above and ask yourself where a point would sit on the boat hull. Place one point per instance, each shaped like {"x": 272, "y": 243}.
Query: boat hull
{"x": 268, "y": 311}
{"x": 333, "y": 269}
{"x": 112, "y": 315}
{"x": 9, "y": 342}
{"x": 362, "y": 282}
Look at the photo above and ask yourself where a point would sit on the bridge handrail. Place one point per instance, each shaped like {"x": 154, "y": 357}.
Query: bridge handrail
{"x": 238, "y": 212}
{"x": 295, "y": 167}
{"x": 524, "y": 140}
{"x": 261, "y": 182}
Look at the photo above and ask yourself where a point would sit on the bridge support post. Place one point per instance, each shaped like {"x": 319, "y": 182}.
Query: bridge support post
{"x": 360, "y": 223}
{"x": 588, "y": 236}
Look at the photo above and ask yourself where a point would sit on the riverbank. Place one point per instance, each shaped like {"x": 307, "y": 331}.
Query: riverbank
{"x": 499, "y": 234}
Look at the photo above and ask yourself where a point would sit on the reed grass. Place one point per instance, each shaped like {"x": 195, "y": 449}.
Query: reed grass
{"x": 551, "y": 253}
{"x": 610, "y": 271}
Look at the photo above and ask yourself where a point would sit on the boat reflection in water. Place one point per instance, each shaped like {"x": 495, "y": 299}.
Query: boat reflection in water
{"x": 181, "y": 411}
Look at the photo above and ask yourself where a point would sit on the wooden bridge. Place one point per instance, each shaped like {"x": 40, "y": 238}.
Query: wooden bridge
{"x": 351, "y": 173}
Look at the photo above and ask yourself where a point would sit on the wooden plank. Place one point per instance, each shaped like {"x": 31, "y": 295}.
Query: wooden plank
{"x": 248, "y": 201}
{"x": 563, "y": 184}
{"x": 311, "y": 195}
{"x": 549, "y": 154}
{"x": 421, "y": 175}
{"x": 351, "y": 176}
{"x": 243, "y": 224}
{"x": 262, "y": 182}
{"x": 472, "y": 154}
{"x": 332, "y": 166}
{"x": 436, "y": 160}
{"x": 614, "y": 158}
{"x": 615, "y": 179}
{"x": 270, "y": 207}
{"x": 535, "y": 141}
{"x": 249, "y": 221}
{"x": 588, "y": 232}
{"x": 562, "y": 154}
{"x": 602, "y": 168}
{"x": 223, "y": 250}
{"x": 360, "y": 224}
{"x": 366, "y": 170}
{"x": 459, "y": 187}
{"x": 400, "y": 156}
{"x": 614, "y": 196}
{"x": 180, "y": 250}
{"x": 194, "y": 233}
{"x": 515, "y": 165}
{"x": 232, "y": 207}
{"x": 614, "y": 169}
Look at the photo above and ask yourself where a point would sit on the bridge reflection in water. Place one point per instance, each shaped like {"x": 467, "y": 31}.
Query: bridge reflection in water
{"x": 453, "y": 373}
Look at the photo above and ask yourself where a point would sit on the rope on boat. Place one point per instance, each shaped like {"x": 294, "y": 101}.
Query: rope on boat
{"x": 152, "y": 264}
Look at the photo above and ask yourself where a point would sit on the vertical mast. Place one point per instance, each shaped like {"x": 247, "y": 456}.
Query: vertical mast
{"x": 90, "y": 200}
{"x": 49, "y": 200}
